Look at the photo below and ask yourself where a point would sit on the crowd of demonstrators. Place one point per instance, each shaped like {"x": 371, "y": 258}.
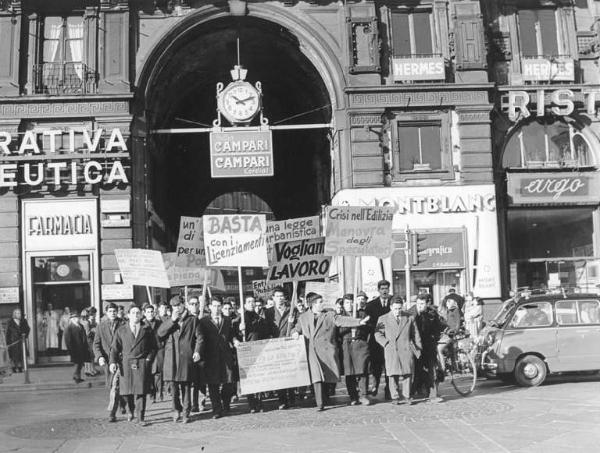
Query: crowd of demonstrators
{"x": 189, "y": 346}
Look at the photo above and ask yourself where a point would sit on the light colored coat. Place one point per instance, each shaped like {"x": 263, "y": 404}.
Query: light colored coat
{"x": 322, "y": 346}
{"x": 401, "y": 343}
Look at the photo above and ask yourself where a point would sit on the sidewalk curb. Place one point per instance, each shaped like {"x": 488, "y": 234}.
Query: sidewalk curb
{"x": 50, "y": 386}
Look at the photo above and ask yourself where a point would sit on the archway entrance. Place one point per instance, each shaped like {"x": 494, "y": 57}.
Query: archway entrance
{"x": 183, "y": 94}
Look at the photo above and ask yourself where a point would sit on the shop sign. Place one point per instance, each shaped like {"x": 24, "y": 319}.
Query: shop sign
{"x": 359, "y": 231}
{"x": 553, "y": 188}
{"x": 235, "y": 240}
{"x": 237, "y": 154}
{"x": 9, "y": 295}
{"x": 543, "y": 69}
{"x": 426, "y": 68}
{"x": 562, "y": 102}
{"x": 299, "y": 261}
{"x": 60, "y": 225}
{"x": 117, "y": 291}
{"x": 434, "y": 250}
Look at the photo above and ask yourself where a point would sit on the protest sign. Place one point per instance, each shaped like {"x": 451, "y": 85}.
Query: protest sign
{"x": 329, "y": 290}
{"x": 188, "y": 276}
{"x": 299, "y": 261}
{"x": 190, "y": 244}
{"x": 117, "y": 291}
{"x": 294, "y": 229}
{"x": 359, "y": 231}
{"x": 235, "y": 240}
{"x": 142, "y": 267}
{"x": 273, "y": 364}
{"x": 262, "y": 289}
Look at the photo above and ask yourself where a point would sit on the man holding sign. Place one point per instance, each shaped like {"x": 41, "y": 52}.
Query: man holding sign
{"x": 318, "y": 328}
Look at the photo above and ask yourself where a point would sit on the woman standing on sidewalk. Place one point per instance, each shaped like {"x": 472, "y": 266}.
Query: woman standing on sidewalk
{"x": 17, "y": 330}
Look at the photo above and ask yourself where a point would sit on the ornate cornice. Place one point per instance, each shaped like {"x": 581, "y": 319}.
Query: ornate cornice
{"x": 60, "y": 108}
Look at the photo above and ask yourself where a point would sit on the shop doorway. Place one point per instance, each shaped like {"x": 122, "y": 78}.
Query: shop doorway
{"x": 433, "y": 282}
{"x": 181, "y": 93}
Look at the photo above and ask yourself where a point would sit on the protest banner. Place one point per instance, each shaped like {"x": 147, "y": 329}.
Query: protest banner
{"x": 299, "y": 261}
{"x": 359, "y": 231}
{"x": 329, "y": 290}
{"x": 188, "y": 276}
{"x": 262, "y": 289}
{"x": 273, "y": 364}
{"x": 117, "y": 291}
{"x": 235, "y": 240}
{"x": 142, "y": 267}
{"x": 294, "y": 229}
{"x": 190, "y": 244}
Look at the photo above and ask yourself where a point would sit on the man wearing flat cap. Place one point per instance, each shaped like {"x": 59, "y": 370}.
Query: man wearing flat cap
{"x": 77, "y": 344}
{"x": 317, "y": 325}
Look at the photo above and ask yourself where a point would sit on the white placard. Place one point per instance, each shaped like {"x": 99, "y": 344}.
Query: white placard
{"x": 190, "y": 244}
{"x": 262, "y": 289}
{"x": 117, "y": 291}
{"x": 9, "y": 295}
{"x": 294, "y": 229}
{"x": 235, "y": 240}
{"x": 331, "y": 291}
{"x": 142, "y": 267}
{"x": 299, "y": 261}
{"x": 188, "y": 276}
{"x": 277, "y": 363}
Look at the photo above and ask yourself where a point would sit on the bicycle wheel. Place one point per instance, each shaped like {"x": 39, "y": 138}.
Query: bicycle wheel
{"x": 463, "y": 373}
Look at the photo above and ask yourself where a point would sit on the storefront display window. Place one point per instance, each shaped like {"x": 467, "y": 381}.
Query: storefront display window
{"x": 60, "y": 285}
{"x": 547, "y": 143}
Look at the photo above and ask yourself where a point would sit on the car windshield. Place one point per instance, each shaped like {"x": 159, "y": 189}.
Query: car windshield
{"x": 501, "y": 317}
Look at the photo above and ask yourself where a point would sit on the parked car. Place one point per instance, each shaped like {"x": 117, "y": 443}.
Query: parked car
{"x": 536, "y": 334}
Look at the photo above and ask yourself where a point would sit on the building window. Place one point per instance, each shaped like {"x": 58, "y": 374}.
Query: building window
{"x": 419, "y": 147}
{"x": 547, "y": 143}
{"x": 412, "y": 34}
{"x": 538, "y": 33}
{"x": 61, "y": 67}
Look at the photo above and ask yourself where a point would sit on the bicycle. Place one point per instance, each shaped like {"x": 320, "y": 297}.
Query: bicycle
{"x": 461, "y": 364}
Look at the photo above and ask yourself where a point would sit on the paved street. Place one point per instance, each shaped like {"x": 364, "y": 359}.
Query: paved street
{"x": 562, "y": 415}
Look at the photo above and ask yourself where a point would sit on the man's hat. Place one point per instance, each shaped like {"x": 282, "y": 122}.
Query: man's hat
{"x": 361, "y": 294}
{"x": 349, "y": 296}
{"x": 311, "y": 297}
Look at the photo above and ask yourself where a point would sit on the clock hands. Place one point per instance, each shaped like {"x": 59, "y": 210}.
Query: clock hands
{"x": 243, "y": 101}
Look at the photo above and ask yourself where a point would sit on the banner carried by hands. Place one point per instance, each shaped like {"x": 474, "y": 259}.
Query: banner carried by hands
{"x": 299, "y": 261}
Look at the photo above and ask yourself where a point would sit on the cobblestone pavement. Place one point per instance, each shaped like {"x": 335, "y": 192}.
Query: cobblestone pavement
{"x": 562, "y": 415}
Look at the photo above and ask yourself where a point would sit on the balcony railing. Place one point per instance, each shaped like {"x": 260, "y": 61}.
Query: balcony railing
{"x": 64, "y": 78}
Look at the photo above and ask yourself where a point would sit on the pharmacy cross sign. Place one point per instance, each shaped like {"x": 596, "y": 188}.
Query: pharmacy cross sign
{"x": 240, "y": 150}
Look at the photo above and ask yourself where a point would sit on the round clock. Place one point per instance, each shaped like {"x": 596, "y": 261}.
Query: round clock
{"x": 62, "y": 270}
{"x": 239, "y": 102}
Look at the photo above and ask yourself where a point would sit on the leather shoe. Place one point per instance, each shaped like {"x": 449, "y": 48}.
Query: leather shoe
{"x": 142, "y": 423}
{"x": 365, "y": 401}
{"x": 176, "y": 417}
{"x": 354, "y": 403}
{"x": 185, "y": 420}
{"x": 320, "y": 408}
{"x": 129, "y": 417}
{"x": 112, "y": 419}
{"x": 217, "y": 415}
{"x": 283, "y": 406}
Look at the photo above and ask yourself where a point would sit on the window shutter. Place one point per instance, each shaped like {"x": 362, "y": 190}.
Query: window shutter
{"x": 527, "y": 38}
{"x": 400, "y": 35}
{"x": 422, "y": 26}
{"x": 408, "y": 147}
{"x": 470, "y": 45}
{"x": 431, "y": 146}
{"x": 547, "y": 19}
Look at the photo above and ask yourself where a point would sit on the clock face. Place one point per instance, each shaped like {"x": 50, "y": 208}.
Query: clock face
{"x": 239, "y": 102}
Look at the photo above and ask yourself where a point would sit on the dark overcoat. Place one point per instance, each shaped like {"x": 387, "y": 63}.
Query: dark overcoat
{"x": 105, "y": 333}
{"x": 401, "y": 343}
{"x": 375, "y": 310}
{"x": 14, "y": 333}
{"x": 355, "y": 349}
{"x": 135, "y": 355}
{"x": 321, "y": 343}
{"x": 256, "y": 327}
{"x": 77, "y": 343}
{"x": 215, "y": 346}
{"x": 277, "y": 323}
{"x": 159, "y": 359}
{"x": 181, "y": 341}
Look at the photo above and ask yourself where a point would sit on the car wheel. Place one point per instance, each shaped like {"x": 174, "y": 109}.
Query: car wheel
{"x": 530, "y": 371}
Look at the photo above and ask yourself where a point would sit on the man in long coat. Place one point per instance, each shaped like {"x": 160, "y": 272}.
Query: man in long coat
{"x": 374, "y": 310}
{"x": 77, "y": 344}
{"x": 103, "y": 339}
{"x": 134, "y": 347}
{"x": 280, "y": 320}
{"x": 216, "y": 335}
{"x": 180, "y": 333}
{"x": 318, "y": 328}
{"x": 17, "y": 330}
{"x": 397, "y": 333}
{"x": 355, "y": 355}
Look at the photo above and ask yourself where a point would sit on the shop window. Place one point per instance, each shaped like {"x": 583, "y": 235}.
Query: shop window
{"x": 412, "y": 34}
{"x": 547, "y": 143}
{"x": 61, "y": 68}
{"x": 419, "y": 148}
{"x": 532, "y": 315}
{"x": 538, "y": 34}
